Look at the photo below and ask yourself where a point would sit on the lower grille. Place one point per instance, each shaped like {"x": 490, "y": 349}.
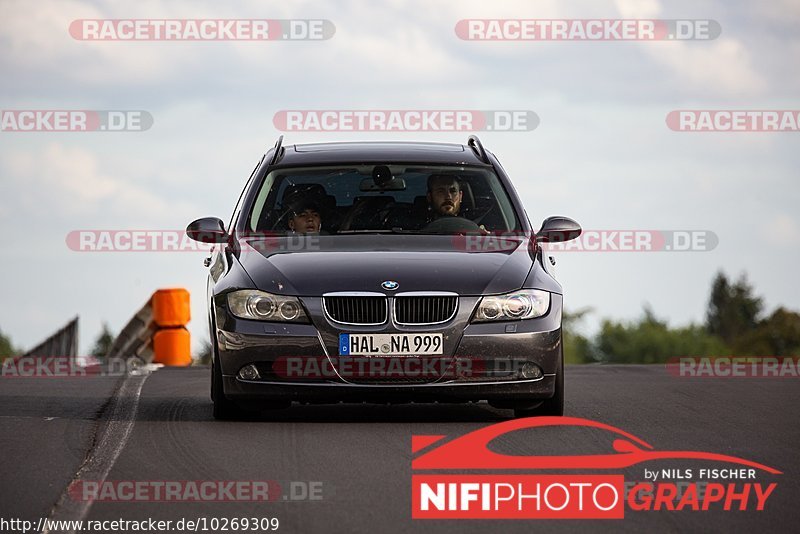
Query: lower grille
{"x": 390, "y": 370}
{"x": 424, "y": 309}
{"x": 356, "y": 310}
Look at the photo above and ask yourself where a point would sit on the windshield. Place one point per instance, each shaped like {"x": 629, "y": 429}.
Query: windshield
{"x": 382, "y": 199}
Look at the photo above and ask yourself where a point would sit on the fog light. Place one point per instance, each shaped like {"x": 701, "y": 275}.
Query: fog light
{"x": 530, "y": 371}
{"x": 249, "y": 372}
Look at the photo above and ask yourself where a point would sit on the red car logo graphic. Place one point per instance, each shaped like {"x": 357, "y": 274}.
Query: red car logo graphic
{"x": 471, "y": 451}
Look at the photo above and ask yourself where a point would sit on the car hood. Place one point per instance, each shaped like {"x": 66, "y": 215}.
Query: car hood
{"x": 314, "y": 265}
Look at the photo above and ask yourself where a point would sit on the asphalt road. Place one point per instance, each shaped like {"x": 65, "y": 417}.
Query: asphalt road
{"x": 359, "y": 457}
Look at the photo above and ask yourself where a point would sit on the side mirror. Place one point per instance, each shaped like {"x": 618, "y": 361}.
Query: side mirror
{"x": 207, "y": 230}
{"x": 558, "y": 229}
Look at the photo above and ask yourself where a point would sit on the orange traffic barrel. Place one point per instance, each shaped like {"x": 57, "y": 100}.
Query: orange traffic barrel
{"x": 171, "y": 307}
{"x": 172, "y": 346}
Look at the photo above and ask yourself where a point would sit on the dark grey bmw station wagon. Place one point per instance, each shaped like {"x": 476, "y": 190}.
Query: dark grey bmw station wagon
{"x": 383, "y": 272}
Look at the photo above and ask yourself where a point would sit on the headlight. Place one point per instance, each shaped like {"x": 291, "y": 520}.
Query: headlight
{"x": 262, "y": 306}
{"x": 525, "y": 304}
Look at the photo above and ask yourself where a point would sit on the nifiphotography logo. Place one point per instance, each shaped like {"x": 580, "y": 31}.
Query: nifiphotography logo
{"x": 512, "y": 487}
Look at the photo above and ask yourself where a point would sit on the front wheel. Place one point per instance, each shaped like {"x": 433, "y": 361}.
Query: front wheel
{"x": 224, "y": 408}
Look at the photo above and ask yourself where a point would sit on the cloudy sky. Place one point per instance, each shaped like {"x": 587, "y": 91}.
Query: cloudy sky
{"x": 602, "y": 153}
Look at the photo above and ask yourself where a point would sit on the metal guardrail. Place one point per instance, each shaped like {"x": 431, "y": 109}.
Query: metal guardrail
{"x": 157, "y": 332}
{"x": 134, "y": 338}
{"x": 62, "y": 344}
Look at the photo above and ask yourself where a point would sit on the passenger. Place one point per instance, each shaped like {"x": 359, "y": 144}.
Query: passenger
{"x": 305, "y": 218}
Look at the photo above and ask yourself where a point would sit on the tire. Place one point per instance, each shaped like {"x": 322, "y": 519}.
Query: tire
{"x": 227, "y": 410}
{"x": 552, "y": 406}
{"x": 224, "y": 408}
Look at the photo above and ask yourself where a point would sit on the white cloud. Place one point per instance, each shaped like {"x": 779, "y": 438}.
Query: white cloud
{"x": 782, "y": 230}
{"x": 601, "y": 154}
{"x": 68, "y": 181}
{"x": 35, "y": 37}
{"x": 638, "y": 9}
{"x": 781, "y": 11}
{"x": 722, "y": 67}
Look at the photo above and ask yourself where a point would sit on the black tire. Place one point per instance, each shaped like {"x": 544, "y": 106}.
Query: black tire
{"x": 212, "y": 338}
{"x": 224, "y": 408}
{"x": 212, "y": 332}
{"x": 552, "y": 406}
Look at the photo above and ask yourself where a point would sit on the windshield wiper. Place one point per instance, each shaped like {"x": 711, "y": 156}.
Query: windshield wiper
{"x": 375, "y": 231}
{"x": 398, "y": 230}
{"x": 395, "y": 230}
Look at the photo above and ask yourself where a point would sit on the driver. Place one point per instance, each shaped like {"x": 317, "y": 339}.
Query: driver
{"x": 444, "y": 200}
{"x": 444, "y": 195}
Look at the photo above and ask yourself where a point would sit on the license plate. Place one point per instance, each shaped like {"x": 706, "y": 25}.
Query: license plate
{"x": 389, "y": 344}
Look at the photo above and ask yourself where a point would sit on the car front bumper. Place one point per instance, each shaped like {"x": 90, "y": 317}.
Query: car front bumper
{"x": 485, "y": 347}
{"x": 250, "y": 393}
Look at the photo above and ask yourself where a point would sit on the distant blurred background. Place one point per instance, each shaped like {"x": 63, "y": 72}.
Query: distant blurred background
{"x": 602, "y": 154}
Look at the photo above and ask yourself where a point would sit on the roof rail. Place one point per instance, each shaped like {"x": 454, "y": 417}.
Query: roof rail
{"x": 279, "y": 150}
{"x": 475, "y": 144}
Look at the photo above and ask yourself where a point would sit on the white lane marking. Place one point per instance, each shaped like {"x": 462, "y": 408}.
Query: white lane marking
{"x": 116, "y": 425}
{"x": 37, "y": 417}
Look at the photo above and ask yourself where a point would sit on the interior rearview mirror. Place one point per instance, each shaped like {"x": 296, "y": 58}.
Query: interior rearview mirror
{"x": 394, "y": 184}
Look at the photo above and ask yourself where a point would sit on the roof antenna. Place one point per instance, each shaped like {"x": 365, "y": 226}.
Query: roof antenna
{"x": 475, "y": 144}
{"x": 279, "y": 150}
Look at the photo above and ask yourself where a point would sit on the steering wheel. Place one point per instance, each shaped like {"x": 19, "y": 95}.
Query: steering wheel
{"x": 281, "y": 223}
{"x": 452, "y": 225}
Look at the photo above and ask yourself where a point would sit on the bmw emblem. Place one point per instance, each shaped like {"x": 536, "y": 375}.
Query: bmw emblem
{"x": 390, "y": 285}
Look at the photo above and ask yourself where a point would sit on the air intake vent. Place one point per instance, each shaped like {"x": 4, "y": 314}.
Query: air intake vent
{"x": 424, "y": 309}
{"x": 356, "y": 310}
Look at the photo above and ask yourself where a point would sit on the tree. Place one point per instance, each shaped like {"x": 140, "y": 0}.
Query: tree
{"x": 732, "y": 308}
{"x": 103, "y": 342}
{"x": 6, "y": 348}
{"x": 777, "y": 335}
{"x": 577, "y": 348}
{"x": 203, "y": 356}
{"x": 650, "y": 340}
